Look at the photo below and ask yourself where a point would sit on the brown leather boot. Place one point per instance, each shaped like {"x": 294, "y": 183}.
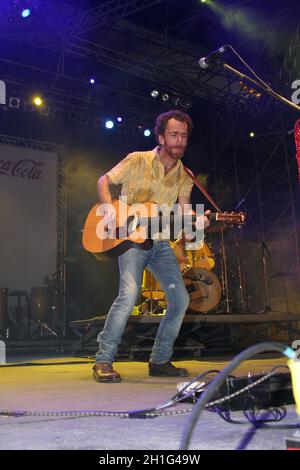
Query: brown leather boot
{"x": 103, "y": 372}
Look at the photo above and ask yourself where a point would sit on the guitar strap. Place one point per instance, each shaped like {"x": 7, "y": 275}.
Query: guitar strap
{"x": 202, "y": 189}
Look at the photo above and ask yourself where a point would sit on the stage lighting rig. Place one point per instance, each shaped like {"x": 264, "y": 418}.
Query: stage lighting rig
{"x": 37, "y": 100}
{"x": 22, "y": 9}
{"x": 14, "y": 102}
{"x": 109, "y": 124}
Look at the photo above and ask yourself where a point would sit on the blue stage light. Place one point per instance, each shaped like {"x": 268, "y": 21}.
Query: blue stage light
{"x": 25, "y": 12}
{"x": 92, "y": 81}
{"x": 109, "y": 124}
{"x": 147, "y": 132}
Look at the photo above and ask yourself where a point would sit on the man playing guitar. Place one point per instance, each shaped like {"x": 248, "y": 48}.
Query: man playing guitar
{"x": 156, "y": 176}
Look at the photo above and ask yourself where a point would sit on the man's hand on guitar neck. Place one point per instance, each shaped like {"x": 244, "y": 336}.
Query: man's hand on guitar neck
{"x": 202, "y": 222}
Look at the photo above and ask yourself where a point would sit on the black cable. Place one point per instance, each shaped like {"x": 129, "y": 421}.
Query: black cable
{"x": 252, "y": 415}
{"x": 225, "y": 415}
{"x": 261, "y": 81}
{"x": 217, "y": 382}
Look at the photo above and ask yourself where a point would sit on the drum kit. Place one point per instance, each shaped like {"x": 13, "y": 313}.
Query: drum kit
{"x": 223, "y": 292}
{"x": 202, "y": 284}
{"x": 28, "y": 315}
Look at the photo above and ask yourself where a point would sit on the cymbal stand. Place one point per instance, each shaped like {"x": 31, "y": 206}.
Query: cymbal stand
{"x": 45, "y": 327}
{"x": 152, "y": 303}
{"x": 242, "y": 292}
{"x": 265, "y": 250}
{"x": 224, "y": 275}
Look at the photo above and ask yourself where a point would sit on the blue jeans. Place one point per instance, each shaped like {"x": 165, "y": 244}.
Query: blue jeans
{"x": 161, "y": 261}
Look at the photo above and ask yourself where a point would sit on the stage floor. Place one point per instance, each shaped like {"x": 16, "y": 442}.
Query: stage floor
{"x": 59, "y": 383}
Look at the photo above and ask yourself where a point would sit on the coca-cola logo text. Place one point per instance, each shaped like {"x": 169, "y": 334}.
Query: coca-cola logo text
{"x": 25, "y": 168}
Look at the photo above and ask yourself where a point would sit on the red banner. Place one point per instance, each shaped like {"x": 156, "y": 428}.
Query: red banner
{"x": 297, "y": 142}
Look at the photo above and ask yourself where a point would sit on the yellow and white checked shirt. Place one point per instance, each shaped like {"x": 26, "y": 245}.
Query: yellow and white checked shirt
{"x": 142, "y": 177}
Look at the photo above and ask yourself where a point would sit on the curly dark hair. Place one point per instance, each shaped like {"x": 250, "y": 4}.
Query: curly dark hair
{"x": 162, "y": 119}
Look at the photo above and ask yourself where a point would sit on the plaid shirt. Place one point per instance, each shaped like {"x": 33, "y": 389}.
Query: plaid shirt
{"x": 142, "y": 177}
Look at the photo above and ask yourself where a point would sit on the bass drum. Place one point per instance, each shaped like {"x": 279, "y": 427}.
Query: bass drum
{"x": 38, "y": 303}
{"x": 204, "y": 289}
{"x": 200, "y": 258}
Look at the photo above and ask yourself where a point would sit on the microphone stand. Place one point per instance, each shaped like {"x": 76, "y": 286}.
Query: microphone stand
{"x": 237, "y": 239}
{"x": 265, "y": 250}
{"x": 225, "y": 289}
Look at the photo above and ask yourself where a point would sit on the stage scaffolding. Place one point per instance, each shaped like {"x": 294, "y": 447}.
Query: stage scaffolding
{"x": 259, "y": 175}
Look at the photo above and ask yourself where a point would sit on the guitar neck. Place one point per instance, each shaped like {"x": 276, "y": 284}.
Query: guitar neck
{"x": 224, "y": 217}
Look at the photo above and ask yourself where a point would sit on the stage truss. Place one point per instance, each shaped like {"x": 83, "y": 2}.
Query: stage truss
{"x": 259, "y": 175}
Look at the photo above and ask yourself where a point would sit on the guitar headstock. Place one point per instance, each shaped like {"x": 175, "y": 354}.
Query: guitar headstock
{"x": 231, "y": 218}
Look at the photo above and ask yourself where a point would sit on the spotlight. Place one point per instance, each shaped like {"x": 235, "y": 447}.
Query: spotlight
{"x": 25, "y": 12}
{"x": 109, "y": 124}
{"x": 165, "y": 97}
{"x": 252, "y": 134}
{"x": 154, "y": 93}
{"x": 14, "y": 102}
{"x": 92, "y": 81}
{"x": 147, "y": 132}
{"x": 119, "y": 119}
{"x": 37, "y": 100}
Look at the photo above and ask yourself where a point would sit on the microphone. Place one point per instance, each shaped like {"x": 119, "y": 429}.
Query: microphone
{"x": 205, "y": 61}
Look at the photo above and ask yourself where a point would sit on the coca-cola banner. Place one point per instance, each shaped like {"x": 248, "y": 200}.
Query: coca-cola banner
{"x": 27, "y": 217}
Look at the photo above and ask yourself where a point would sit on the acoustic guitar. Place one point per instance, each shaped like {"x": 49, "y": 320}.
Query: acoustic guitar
{"x": 140, "y": 224}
